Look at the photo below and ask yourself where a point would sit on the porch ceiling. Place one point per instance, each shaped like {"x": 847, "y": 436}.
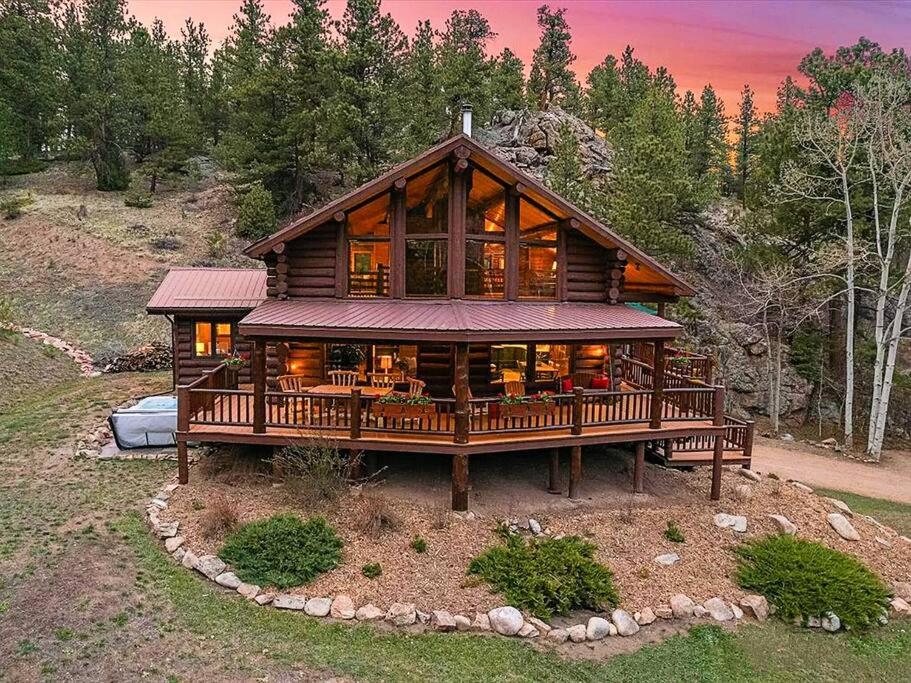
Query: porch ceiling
{"x": 453, "y": 321}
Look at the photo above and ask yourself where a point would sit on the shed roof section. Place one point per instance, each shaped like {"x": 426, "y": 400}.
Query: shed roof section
{"x": 455, "y": 320}
{"x": 646, "y": 274}
{"x": 209, "y": 289}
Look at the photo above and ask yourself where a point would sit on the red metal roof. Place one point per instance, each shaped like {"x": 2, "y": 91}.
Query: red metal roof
{"x": 209, "y": 289}
{"x": 454, "y": 320}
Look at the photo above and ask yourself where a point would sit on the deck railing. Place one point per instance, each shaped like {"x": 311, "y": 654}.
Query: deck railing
{"x": 676, "y": 361}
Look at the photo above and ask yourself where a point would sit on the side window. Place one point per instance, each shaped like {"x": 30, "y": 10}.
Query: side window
{"x": 212, "y": 339}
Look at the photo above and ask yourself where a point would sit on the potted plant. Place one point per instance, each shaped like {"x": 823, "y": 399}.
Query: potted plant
{"x": 346, "y": 356}
{"x": 402, "y": 405}
{"x": 233, "y": 362}
{"x": 513, "y": 405}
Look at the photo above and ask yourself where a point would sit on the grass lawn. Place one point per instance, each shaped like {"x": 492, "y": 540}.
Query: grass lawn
{"x": 895, "y": 515}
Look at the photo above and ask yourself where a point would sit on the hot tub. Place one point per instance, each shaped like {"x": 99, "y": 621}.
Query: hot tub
{"x": 151, "y": 422}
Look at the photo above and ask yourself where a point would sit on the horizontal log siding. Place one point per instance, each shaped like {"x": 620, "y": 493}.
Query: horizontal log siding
{"x": 586, "y": 269}
{"x": 311, "y": 263}
{"x": 589, "y": 358}
{"x": 189, "y": 367}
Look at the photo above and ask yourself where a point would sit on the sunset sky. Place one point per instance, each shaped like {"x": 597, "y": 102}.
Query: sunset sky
{"x": 726, "y": 44}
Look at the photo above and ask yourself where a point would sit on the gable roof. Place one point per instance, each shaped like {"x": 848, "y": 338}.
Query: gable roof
{"x": 655, "y": 275}
{"x": 209, "y": 289}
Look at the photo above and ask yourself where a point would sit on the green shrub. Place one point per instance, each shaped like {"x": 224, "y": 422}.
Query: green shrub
{"x": 138, "y": 199}
{"x": 546, "y": 576}
{"x": 255, "y": 213}
{"x": 371, "y": 570}
{"x": 673, "y": 533}
{"x": 11, "y": 207}
{"x": 419, "y": 545}
{"x": 22, "y": 166}
{"x": 282, "y": 551}
{"x": 804, "y": 579}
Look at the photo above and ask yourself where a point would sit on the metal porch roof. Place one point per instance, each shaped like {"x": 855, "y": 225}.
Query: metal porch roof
{"x": 209, "y": 289}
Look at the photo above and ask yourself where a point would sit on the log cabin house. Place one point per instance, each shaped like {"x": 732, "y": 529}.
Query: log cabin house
{"x": 458, "y": 278}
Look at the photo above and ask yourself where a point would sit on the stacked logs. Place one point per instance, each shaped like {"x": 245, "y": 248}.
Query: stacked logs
{"x": 616, "y": 263}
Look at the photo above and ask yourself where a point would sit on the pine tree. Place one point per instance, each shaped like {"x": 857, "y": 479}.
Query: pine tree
{"x": 564, "y": 172}
{"x": 196, "y": 75}
{"x": 746, "y": 132}
{"x": 29, "y": 83}
{"x": 706, "y": 133}
{"x": 425, "y": 116}
{"x": 465, "y": 71}
{"x": 602, "y": 97}
{"x": 551, "y": 82}
{"x": 507, "y": 81}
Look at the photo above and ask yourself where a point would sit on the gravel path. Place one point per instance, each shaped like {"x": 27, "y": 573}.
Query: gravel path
{"x": 890, "y": 479}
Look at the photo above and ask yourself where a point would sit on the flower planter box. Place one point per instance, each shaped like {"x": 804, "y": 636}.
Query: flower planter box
{"x": 403, "y": 410}
{"x": 528, "y": 409}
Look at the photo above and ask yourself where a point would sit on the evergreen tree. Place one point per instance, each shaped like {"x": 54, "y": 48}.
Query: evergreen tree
{"x": 425, "y": 119}
{"x": 29, "y": 83}
{"x": 465, "y": 71}
{"x": 94, "y": 35}
{"x": 551, "y": 82}
{"x": 564, "y": 172}
{"x": 746, "y": 132}
{"x": 507, "y": 81}
{"x": 707, "y": 142}
{"x": 196, "y": 76}
{"x": 603, "y": 95}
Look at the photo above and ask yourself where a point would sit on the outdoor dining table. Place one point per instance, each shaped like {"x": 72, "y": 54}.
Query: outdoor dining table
{"x": 333, "y": 389}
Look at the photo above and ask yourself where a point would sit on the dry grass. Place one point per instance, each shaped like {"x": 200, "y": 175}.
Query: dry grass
{"x": 376, "y": 517}
{"x": 218, "y": 518}
{"x": 315, "y": 475}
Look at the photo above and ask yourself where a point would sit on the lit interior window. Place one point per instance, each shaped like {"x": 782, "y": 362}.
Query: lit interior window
{"x": 203, "y": 339}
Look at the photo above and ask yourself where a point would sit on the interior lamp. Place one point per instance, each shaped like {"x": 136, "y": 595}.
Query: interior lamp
{"x": 385, "y": 363}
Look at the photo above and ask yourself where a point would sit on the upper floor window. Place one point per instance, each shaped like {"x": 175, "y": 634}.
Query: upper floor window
{"x": 212, "y": 339}
{"x": 485, "y": 243}
{"x": 427, "y": 233}
{"x": 368, "y": 248}
{"x": 537, "y": 252}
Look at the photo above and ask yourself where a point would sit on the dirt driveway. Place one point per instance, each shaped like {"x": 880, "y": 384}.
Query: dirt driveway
{"x": 890, "y": 479}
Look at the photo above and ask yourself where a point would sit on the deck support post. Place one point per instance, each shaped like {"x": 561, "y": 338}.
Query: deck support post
{"x": 462, "y": 407}
{"x": 355, "y": 413}
{"x": 575, "y": 471}
{"x": 639, "y": 468}
{"x": 578, "y": 410}
{"x": 554, "y": 481}
{"x": 259, "y": 386}
{"x": 657, "y": 385}
{"x": 460, "y": 482}
{"x": 183, "y": 465}
{"x": 718, "y": 453}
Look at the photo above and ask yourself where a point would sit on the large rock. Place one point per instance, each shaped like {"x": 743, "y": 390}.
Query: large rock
{"x": 902, "y": 589}
{"x": 577, "y": 633}
{"x": 736, "y": 522}
{"x": 842, "y": 526}
{"x": 209, "y": 566}
{"x": 292, "y": 602}
{"x": 318, "y": 607}
{"x": 841, "y": 506}
{"x": 623, "y": 620}
{"x": 507, "y": 621}
{"x": 228, "y": 580}
{"x": 900, "y": 607}
{"x": 718, "y": 609}
{"x": 401, "y": 614}
{"x": 172, "y": 544}
{"x": 668, "y": 559}
{"x": 597, "y": 629}
{"x": 441, "y": 620}
{"x": 646, "y": 617}
{"x": 342, "y": 607}
{"x": 756, "y": 606}
{"x": 542, "y": 626}
{"x": 831, "y": 623}
{"x": 749, "y": 474}
{"x": 785, "y": 525}
{"x": 560, "y": 635}
{"x": 248, "y": 590}
{"x": 369, "y": 612}
{"x": 481, "y": 622}
{"x": 528, "y": 631}
{"x": 462, "y": 622}
{"x": 682, "y": 606}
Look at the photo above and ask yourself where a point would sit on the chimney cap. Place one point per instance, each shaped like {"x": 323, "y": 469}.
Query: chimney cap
{"x": 466, "y": 106}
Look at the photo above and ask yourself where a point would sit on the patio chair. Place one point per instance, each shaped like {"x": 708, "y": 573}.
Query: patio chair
{"x": 381, "y": 379}
{"x": 415, "y": 386}
{"x": 514, "y": 388}
{"x": 343, "y": 378}
{"x": 583, "y": 379}
{"x": 295, "y": 384}
{"x": 292, "y": 383}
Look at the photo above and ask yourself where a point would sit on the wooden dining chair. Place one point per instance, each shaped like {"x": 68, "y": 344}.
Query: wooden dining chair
{"x": 300, "y": 405}
{"x": 583, "y": 379}
{"x": 293, "y": 384}
{"x": 416, "y": 386}
{"x": 343, "y": 378}
{"x": 381, "y": 379}
{"x": 514, "y": 388}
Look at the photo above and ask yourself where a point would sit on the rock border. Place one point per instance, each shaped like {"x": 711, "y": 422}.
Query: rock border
{"x": 504, "y": 620}
{"x": 81, "y": 358}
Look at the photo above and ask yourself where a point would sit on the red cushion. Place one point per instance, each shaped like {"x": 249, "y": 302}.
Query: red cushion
{"x": 567, "y": 385}
{"x": 602, "y": 382}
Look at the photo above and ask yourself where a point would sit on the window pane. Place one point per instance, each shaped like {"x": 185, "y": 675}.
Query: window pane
{"x": 372, "y": 219}
{"x": 485, "y": 266}
{"x": 427, "y": 199}
{"x": 203, "y": 339}
{"x": 508, "y": 362}
{"x": 368, "y": 268}
{"x": 223, "y": 345}
{"x": 552, "y": 361}
{"x": 486, "y": 213}
{"x": 535, "y": 224}
{"x": 537, "y": 272}
{"x": 426, "y": 272}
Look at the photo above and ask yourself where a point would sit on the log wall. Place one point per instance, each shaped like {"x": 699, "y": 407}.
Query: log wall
{"x": 188, "y": 367}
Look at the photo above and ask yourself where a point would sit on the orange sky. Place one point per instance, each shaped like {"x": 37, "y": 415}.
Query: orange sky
{"x": 726, "y": 44}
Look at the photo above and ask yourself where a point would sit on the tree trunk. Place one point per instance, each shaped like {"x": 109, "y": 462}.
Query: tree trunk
{"x": 849, "y": 323}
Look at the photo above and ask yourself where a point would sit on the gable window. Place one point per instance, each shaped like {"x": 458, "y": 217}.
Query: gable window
{"x": 212, "y": 339}
{"x": 537, "y": 252}
{"x": 368, "y": 248}
{"x": 427, "y": 233}
{"x": 485, "y": 244}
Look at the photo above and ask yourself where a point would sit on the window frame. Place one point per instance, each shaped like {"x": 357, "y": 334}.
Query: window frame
{"x": 350, "y": 238}
{"x": 532, "y": 242}
{"x": 212, "y": 323}
{"x": 490, "y": 237}
{"x": 443, "y": 237}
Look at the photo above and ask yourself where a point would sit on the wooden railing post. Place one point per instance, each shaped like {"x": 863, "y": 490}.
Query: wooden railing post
{"x": 718, "y": 453}
{"x": 748, "y": 441}
{"x": 259, "y": 386}
{"x": 657, "y": 385}
{"x": 183, "y": 426}
{"x": 462, "y": 407}
{"x": 356, "y": 413}
{"x": 578, "y": 410}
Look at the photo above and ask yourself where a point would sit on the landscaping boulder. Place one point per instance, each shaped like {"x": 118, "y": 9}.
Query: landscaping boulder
{"x": 264, "y": 598}
{"x": 342, "y": 607}
{"x": 831, "y": 622}
{"x": 577, "y": 633}
{"x": 507, "y": 621}
{"x": 623, "y": 620}
{"x": 248, "y": 590}
{"x": 441, "y": 620}
{"x": 178, "y": 554}
{"x": 294, "y": 602}
{"x": 785, "y": 525}
{"x": 700, "y": 612}
{"x": 802, "y": 487}
{"x": 166, "y": 529}
{"x": 900, "y": 607}
{"x": 528, "y": 631}
{"x": 664, "y": 612}
{"x": 682, "y": 606}
{"x": 209, "y": 566}
{"x": 736, "y": 522}
{"x": 743, "y": 492}
{"x": 534, "y": 526}
{"x": 902, "y": 589}
{"x": 542, "y": 626}
{"x": 842, "y": 526}
{"x": 559, "y": 635}
{"x": 369, "y": 612}
{"x": 597, "y": 629}
{"x": 756, "y": 606}
{"x": 401, "y": 614}
{"x": 718, "y": 609}
{"x": 172, "y": 544}
{"x": 481, "y": 622}
{"x": 462, "y": 622}
{"x": 749, "y": 474}
{"x": 841, "y": 506}
{"x": 189, "y": 559}
{"x": 646, "y": 617}
{"x": 738, "y": 613}
{"x": 667, "y": 559}
{"x": 228, "y": 580}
